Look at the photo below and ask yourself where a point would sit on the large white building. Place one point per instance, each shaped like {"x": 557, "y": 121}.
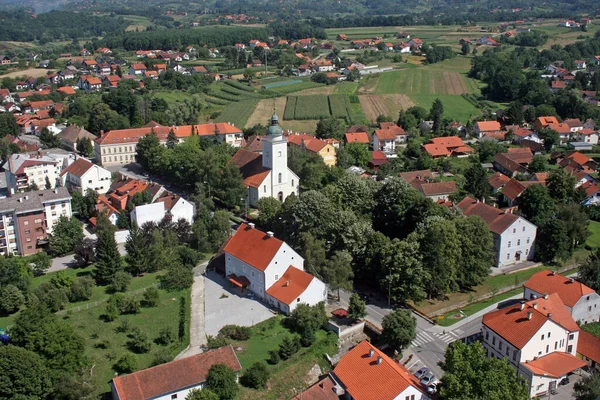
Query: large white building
{"x": 270, "y": 268}
{"x": 582, "y": 302}
{"x": 82, "y": 175}
{"x": 267, "y": 174}
{"x": 538, "y": 338}
{"x": 23, "y": 170}
{"x": 170, "y": 204}
{"x": 514, "y": 236}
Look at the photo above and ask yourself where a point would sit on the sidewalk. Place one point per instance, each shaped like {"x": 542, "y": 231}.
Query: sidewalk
{"x": 197, "y": 331}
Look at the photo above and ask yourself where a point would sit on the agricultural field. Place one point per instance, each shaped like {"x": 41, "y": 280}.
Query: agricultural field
{"x": 31, "y": 72}
{"x": 238, "y": 113}
{"x": 137, "y": 23}
{"x": 307, "y": 107}
{"x": 387, "y": 104}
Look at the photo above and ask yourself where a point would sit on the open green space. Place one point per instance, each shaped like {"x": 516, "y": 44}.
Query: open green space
{"x": 593, "y": 328}
{"x": 594, "y": 239}
{"x": 238, "y": 113}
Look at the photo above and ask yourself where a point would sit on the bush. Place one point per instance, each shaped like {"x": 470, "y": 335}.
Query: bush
{"x": 214, "y": 342}
{"x": 130, "y": 305}
{"x": 256, "y": 376}
{"x": 274, "y": 357}
{"x": 120, "y": 282}
{"x": 111, "y": 312}
{"x": 124, "y": 326}
{"x": 82, "y": 289}
{"x": 126, "y": 364}
{"x": 162, "y": 356}
{"x": 139, "y": 343}
{"x": 11, "y": 299}
{"x": 236, "y": 332}
{"x": 51, "y": 296}
{"x": 307, "y": 338}
{"x": 165, "y": 336}
{"x": 188, "y": 256}
{"x": 151, "y": 297}
{"x": 61, "y": 280}
{"x": 289, "y": 347}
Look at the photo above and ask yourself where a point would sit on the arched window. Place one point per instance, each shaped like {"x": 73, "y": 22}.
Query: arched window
{"x": 279, "y": 178}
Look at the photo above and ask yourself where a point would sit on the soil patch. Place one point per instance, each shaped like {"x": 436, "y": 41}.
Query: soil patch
{"x": 32, "y": 72}
{"x": 263, "y": 111}
{"x": 318, "y": 90}
{"x": 373, "y": 106}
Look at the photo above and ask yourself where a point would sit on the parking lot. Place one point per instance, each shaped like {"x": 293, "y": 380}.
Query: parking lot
{"x": 224, "y": 305}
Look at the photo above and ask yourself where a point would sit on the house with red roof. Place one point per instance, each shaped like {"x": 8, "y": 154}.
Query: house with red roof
{"x": 437, "y": 191}
{"x": 483, "y": 127}
{"x": 82, "y": 175}
{"x": 447, "y": 146}
{"x": 588, "y": 348}
{"x": 271, "y": 269}
{"x": 22, "y": 171}
{"x": 173, "y": 380}
{"x": 498, "y": 181}
{"x": 88, "y": 83}
{"x": 538, "y": 338}
{"x": 137, "y": 69}
{"x": 514, "y": 236}
{"x": 588, "y": 135}
{"x": 582, "y": 302}
{"x": 513, "y": 189}
{"x": 367, "y": 373}
{"x": 314, "y": 145}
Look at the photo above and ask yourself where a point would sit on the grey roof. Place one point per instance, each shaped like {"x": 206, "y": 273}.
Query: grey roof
{"x": 33, "y": 201}
{"x": 73, "y": 132}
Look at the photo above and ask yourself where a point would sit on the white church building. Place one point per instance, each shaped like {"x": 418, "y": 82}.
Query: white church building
{"x": 270, "y": 268}
{"x": 267, "y": 174}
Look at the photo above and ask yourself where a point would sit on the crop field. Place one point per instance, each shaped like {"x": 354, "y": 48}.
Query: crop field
{"x": 238, "y": 113}
{"x": 421, "y": 81}
{"x": 137, "y": 22}
{"x": 384, "y": 104}
{"x": 339, "y": 106}
{"x": 311, "y": 107}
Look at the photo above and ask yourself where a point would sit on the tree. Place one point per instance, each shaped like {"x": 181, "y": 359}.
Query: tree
{"x": 289, "y": 346}
{"x": 24, "y": 375}
{"x": 48, "y": 184}
{"x": 120, "y": 281}
{"x": 550, "y": 138}
{"x": 553, "y": 242}
{"x": 436, "y": 114}
{"x": 66, "y": 234}
{"x": 539, "y": 164}
{"x": 108, "y": 259}
{"x": 338, "y": 271}
{"x": 268, "y": 209}
{"x": 356, "y": 308}
{"x": 149, "y": 152}
{"x": 8, "y": 125}
{"x": 177, "y": 277}
{"x": 465, "y": 49}
{"x": 136, "y": 247}
{"x": 172, "y": 139}
{"x": 561, "y": 185}
{"x": 229, "y": 187}
{"x": 85, "y": 252}
{"x": 476, "y": 181}
{"x": 330, "y": 127}
{"x": 464, "y": 365}
{"x": 126, "y": 364}
{"x": 48, "y": 139}
{"x": 399, "y": 329}
{"x": 222, "y": 381}
{"x": 85, "y": 147}
{"x": 256, "y": 376}
{"x": 514, "y": 112}
{"x": 402, "y": 276}
{"x": 358, "y": 153}
{"x": 588, "y": 387}
{"x": 139, "y": 343}
{"x": 589, "y": 271}
{"x": 201, "y": 394}
{"x": 488, "y": 149}
{"x": 151, "y": 297}
{"x": 536, "y": 205}
{"x": 576, "y": 220}
{"x": 477, "y": 251}
{"x": 249, "y": 74}
{"x": 306, "y": 320}
{"x": 102, "y": 118}
{"x": 81, "y": 289}
{"x": 11, "y": 299}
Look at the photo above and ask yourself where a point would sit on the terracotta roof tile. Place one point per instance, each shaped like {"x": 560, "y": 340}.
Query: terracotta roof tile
{"x": 78, "y": 167}
{"x": 498, "y": 180}
{"x": 579, "y": 158}
{"x": 435, "y": 150}
{"x": 588, "y": 345}
{"x": 448, "y": 141}
{"x": 385, "y": 134}
{"x": 365, "y": 379}
{"x": 497, "y": 220}
{"x": 437, "y": 188}
{"x": 555, "y": 365}
{"x": 250, "y": 165}
{"x": 416, "y": 175}
{"x": 322, "y": 390}
{"x": 176, "y": 375}
{"x": 357, "y": 129}
{"x": 485, "y": 126}
{"x": 253, "y": 247}
{"x": 291, "y": 285}
{"x": 569, "y": 292}
{"x": 358, "y": 137}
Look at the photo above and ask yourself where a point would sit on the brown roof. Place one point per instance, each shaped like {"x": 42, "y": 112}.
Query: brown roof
{"x": 416, "y": 175}
{"x": 176, "y": 375}
{"x": 78, "y": 167}
{"x": 308, "y": 141}
{"x": 254, "y": 143}
{"x": 555, "y": 365}
{"x": 72, "y": 132}
{"x": 68, "y": 90}
{"x": 291, "y": 285}
{"x": 498, "y": 180}
{"x": 569, "y": 291}
{"x": 507, "y": 163}
{"x": 322, "y": 390}
{"x": 385, "y": 134}
{"x": 573, "y": 122}
{"x": 497, "y": 220}
{"x": 253, "y": 246}
{"x": 588, "y": 345}
{"x": 250, "y": 165}
{"x": 437, "y": 188}
{"x": 513, "y": 325}
{"x": 357, "y": 128}
{"x": 357, "y": 137}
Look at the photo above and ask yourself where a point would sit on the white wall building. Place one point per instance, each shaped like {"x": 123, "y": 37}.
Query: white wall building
{"x": 514, "y": 236}
{"x": 23, "y": 170}
{"x": 270, "y": 268}
{"x": 170, "y": 204}
{"x": 82, "y": 175}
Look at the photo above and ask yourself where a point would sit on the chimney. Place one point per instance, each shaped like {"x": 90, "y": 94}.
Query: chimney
{"x": 549, "y": 315}
{"x": 522, "y": 305}
{"x": 379, "y": 360}
{"x": 535, "y": 305}
{"x": 251, "y": 225}
{"x": 371, "y": 352}
{"x": 477, "y": 201}
{"x": 529, "y": 314}
{"x": 27, "y": 197}
{"x": 553, "y": 273}
{"x": 571, "y": 280}
{"x": 287, "y": 283}
{"x": 534, "y": 296}
{"x": 545, "y": 296}
{"x": 270, "y": 234}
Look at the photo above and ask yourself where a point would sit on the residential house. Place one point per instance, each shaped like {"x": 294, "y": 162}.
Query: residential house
{"x": 447, "y": 146}
{"x": 111, "y": 81}
{"x": 415, "y": 43}
{"x": 557, "y": 86}
{"x": 173, "y": 380}
{"x": 544, "y": 122}
{"x": 26, "y": 220}
{"x": 22, "y": 171}
{"x": 72, "y": 133}
{"x": 513, "y": 162}
{"x": 89, "y": 83}
{"x": 437, "y": 191}
{"x": 151, "y": 74}
{"x": 582, "y": 302}
{"x": 401, "y": 135}
{"x": 342, "y": 36}
{"x": 161, "y": 68}
{"x": 403, "y": 47}
{"x": 487, "y": 41}
{"x": 82, "y": 175}
{"x": 417, "y": 177}
{"x": 67, "y": 74}
{"x": 314, "y": 145}
{"x": 378, "y": 158}
{"x": 104, "y": 69}
{"x": 323, "y": 65}
{"x": 538, "y": 338}
{"x": 384, "y": 140}
{"x": 569, "y": 24}
{"x": 513, "y": 189}
{"x": 103, "y": 50}
{"x": 68, "y": 90}
{"x": 24, "y": 147}
{"x": 271, "y": 269}
{"x": 199, "y": 69}
{"x": 588, "y": 135}
{"x": 357, "y": 137}
{"x": 168, "y": 204}
{"x": 588, "y": 349}
{"x": 575, "y": 161}
{"x": 5, "y": 96}
{"x": 137, "y": 69}
{"x": 403, "y": 35}
{"x": 483, "y": 127}
{"x": 522, "y": 134}
{"x": 514, "y": 236}
{"x": 5, "y": 60}
{"x": 90, "y": 65}
{"x": 497, "y": 181}
{"x": 124, "y": 188}
{"x": 580, "y": 64}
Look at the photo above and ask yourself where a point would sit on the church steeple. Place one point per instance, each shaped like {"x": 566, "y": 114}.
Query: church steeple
{"x": 274, "y": 130}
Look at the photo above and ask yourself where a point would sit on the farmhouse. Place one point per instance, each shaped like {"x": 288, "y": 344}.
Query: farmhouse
{"x": 484, "y": 127}
{"x": 446, "y": 146}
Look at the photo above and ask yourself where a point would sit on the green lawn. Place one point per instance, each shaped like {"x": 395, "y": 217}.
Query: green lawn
{"x": 594, "y": 239}
{"x": 593, "y": 328}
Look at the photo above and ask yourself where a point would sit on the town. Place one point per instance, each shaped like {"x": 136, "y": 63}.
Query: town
{"x": 243, "y": 203}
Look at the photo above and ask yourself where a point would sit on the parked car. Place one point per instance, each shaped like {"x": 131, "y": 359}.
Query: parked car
{"x": 432, "y": 388}
{"x": 428, "y": 378}
{"x": 419, "y": 374}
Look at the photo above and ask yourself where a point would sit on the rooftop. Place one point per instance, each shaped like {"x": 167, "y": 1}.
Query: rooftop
{"x": 497, "y": 220}
{"x": 555, "y": 365}
{"x": 291, "y": 285}
{"x": 569, "y": 290}
{"x": 33, "y": 201}
{"x": 252, "y": 246}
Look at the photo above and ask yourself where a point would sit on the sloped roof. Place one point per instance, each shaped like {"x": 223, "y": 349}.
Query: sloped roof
{"x": 250, "y": 165}
{"x": 579, "y": 158}
{"x": 385, "y": 134}
{"x": 72, "y": 132}
{"x": 485, "y": 126}
{"x": 310, "y": 142}
{"x": 512, "y": 324}
{"x": 322, "y": 390}
{"x": 252, "y": 246}
{"x": 254, "y": 143}
{"x": 357, "y": 128}
{"x": 437, "y": 188}
{"x": 365, "y": 379}
{"x": 547, "y": 120}
{"x": 507, "y": 163}
{"x": 448, "y": 141}
{"x": 588, "y": 345}
{"x": 573, "y": 122}
{"x": 78, "y": 168}
{"x": 416, "y": 175}
{"x": 291, "y": 285}
{"x": 176, "y": 375}
{"x": 547, "y": 282}
{"x": 498, "y": 180}
{"x": 497, "y": 220}
{"x": 435, "y": 150}
{"x": 555, "y": 364}
{"x": 358, "y": 137}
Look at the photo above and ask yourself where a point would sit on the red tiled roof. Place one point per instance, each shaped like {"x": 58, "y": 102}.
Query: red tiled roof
{"x": 547, "y": 120}
{"x": 435, "y": 150}
{"x": 250, "y": 165}
{"x": 569, "y": 292}
{"x": 588, "y": 131}
{"x": 560, "y": 128}
{"x": 138, "y": 66}
{"x": 462, "y": 149}
{"x": 416, "y": 175}
{"x": 448, "y": 141}
{"x": 66, "y": 90}
{"x": 559, "y": 84}
{"x": 485, "y": 126}
{"x": 498, "y": 180}
{"x": 322, "y": 390}
{"x": 573, "y": 122}
{"x": 513, "y": 325}
{"x": 554, "y": 365}
{"x": 78, "y": 167}
{"x": 378, "y": 155}
{"x": 133, "y": 135}
{"x": 365, "y": 379}
{"x": 508, "y": 163}
{"x": 41, "y": 104}
{"x": 310, "y": 142}
{"x": 176, "y": 375}
{"x": 291, "y": 285}
{"x": 588, "y": 345}
{"x": 385, "y": 134}
{"x": 252, "y": 246}
{"x": 579, "y": 158}
{"x": 437, "y": 188}
{"x": 497, "y": 220}
{"x": 357, "y": 129}
{"x": 358, "y": 137}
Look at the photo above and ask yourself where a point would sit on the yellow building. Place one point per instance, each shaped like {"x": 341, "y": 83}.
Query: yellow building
{"x": 325, "y": 148}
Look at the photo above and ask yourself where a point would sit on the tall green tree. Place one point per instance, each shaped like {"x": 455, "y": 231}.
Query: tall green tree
{"x": 24, "y": 375}
{"x": 66, "y": 234}
{"x": 514, "y": 112}
{"x": 356, "y": 307}
{"x": 149, "y": 152}
{"x": 476, "y": 181}
{"x": 399, "y": 329}
{"x": 108, "y": 259}
{"x": 588, "y": 387}
{"x": 536, "y": 205}
{"x": 539, "y": 163}
{"x": 229, "y": 187}
{"x": 268, "y": 210}
{"x": 136, "y": 247}
{"x": 222, "y": 380}
{"x": 561, "y": 185}
{"x": 553, "y": 242}
{"x": 315, "y": 254}
{"x": 172, "y": 139}
{"x": 436, "y": 114}
{"x": 48, "y": 139}
{"x": 8, "y": 125}
{"x": 330, "y": 127}
{"x": 476, "y": 251}
{"x": 102, "y": 118}
{"x": 589, "y": 271}
{"x": 402, "y": 275}
{"x": 550, "y": 138}
{"x": 84, "y": 147}
{"x": 338, "y": 271}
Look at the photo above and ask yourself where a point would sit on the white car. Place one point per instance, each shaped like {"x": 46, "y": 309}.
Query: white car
{"x": 420, "y": 373}
{"x": 432, "y": 388}
{"x": 428, "y": 378}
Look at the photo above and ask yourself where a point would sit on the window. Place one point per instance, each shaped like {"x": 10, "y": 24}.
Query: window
{"x": 292, "y": 182}
{"x": 589, "y": 308}
{"x": 587, "y": 298}
{"x": 508, "y": 256}
{"x": 500, "y": 345}
{"x": 26, "y": 223}
{"x": 279, "y": 154}
{"x": 264, "y": 188}
{"x": 527, "y": 240}
{"x": 253, "y": 274}
{"x": 509, "y": 243}
{"x": 279, "y": 178}
{"x": 571, "y": 336}
{"x": 515, "y": 355}
{"x": 523, "y": 229}
{"x": 555, "y": 345}
{"x": 547, "y": 348}
{"x": 487, "y": 335}
{"x": 549, "y": 334}
{"x": 276, "y": 277}
{"x": 507, "y": 351}
{"x": 298, "y": 300}
{"x": 493, "y": 340}
{"x": 526, "y": 252}
{"x": 173, "y": 396}
{"x": 27, "y": 231}
{"x": 543, "y": 337}
{"x": 514, "y": 230}
{"x": 518, "y": 242}
{"x": 28, "y": 240}
{"x": 570, "y": 348}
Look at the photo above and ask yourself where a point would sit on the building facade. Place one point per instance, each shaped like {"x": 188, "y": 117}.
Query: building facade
{"x": 24, "y": 171}
{"x": 82, "y": 175}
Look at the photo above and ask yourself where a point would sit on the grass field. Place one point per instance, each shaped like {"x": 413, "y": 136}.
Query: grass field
{"x": 31, "y": 72}
{"x": 238, "y": 113}
{"x": 593, "y": 328}
{"x": 594, "y": 239}
{"x": 137, "y": 22}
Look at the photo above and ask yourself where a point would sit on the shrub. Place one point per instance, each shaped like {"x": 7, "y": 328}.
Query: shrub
{"x": 165, "y": 336}
{"x": 274, "y": 357}
{"x": 11, "y": 299}
{"x": 61, "y": 280}
{"x": 214, "y": 342}
{"x": 82, "y": 289}
{"x": 151, "y": 297}
{"x": 120, "y": 281}
{"x": 111, "y": 312}
{"x": 124, "y": 326}
{"x": 130, "y": 305}
{"x": 222, "y": 380}
{"x": 162, "y": 356}
{"x": 126, "y": 364}
{"x": 256, "y": 376}
{"x": 189, "y": 256}
{"x": 139, "y": 343}
{"x": 307, "y": 338}
{"x": 236, "y": 332}
{"x": 51, "y": 296}
{"x": 289, "y": 347}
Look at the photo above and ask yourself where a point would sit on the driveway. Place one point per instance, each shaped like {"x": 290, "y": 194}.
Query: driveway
{"x": 60, "y": 263}
{"x": 225, "y": 306}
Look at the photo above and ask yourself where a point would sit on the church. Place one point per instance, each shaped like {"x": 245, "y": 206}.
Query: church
{"x": 267, "y": 174}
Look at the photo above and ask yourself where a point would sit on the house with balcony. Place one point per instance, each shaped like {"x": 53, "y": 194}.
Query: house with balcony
{"x": 82, "y": 175}
{"x": 23, "y": 171}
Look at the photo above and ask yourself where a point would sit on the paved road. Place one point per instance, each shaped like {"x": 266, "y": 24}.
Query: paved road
{"x": 60, "y": 263}
{"x": 197, "y": 318}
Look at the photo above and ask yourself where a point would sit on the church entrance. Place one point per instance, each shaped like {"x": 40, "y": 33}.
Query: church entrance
{"x": 280, "y": 196}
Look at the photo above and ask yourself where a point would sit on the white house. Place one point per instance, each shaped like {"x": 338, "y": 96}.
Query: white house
{"x": 582, "y": 302}
{"x": 173, "y": 380}
{"x": 82, "y": 175}
{"x": 271, "y": 269}
{"x": 267, "y": 174}
{"x": 588, "y": 135}
{"x": 538, "y": 338}
{"x": 514, "y": 236}
{"x": 22, "y": 171}
{"x": 171, "y": 204}
{"x": 384, "y": 140}
{"x": 436, "y": 191}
